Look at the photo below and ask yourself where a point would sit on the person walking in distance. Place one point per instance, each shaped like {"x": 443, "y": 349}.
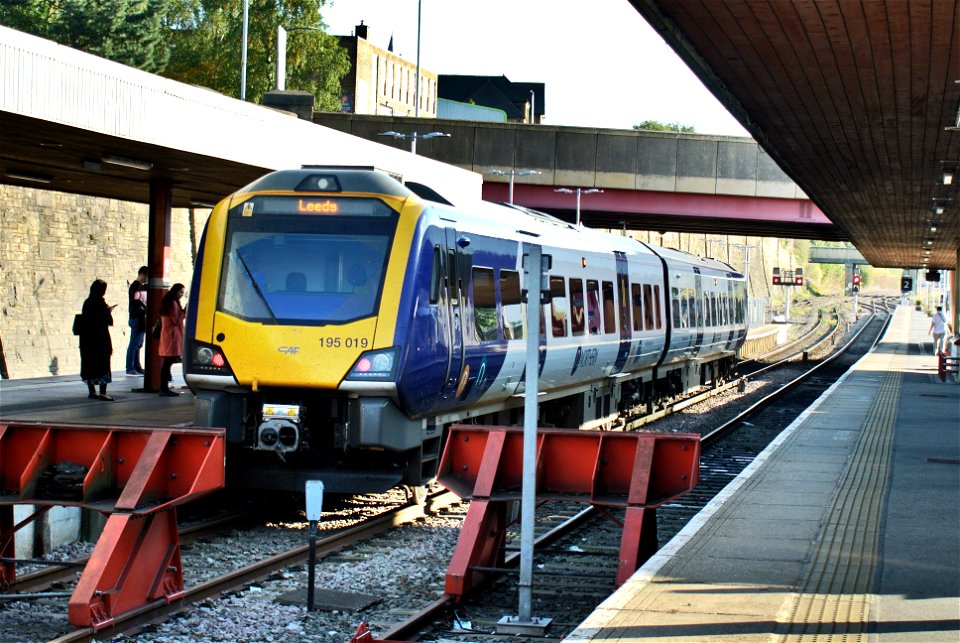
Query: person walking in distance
{"x": 171, "y": 335}
{"x": 96, "y": 346}
{"x": 137, "y": 310}
{"x": 938, "y": 328}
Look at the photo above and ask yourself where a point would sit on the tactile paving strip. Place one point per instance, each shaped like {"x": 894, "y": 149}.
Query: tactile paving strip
{"x": 834, "y": 601}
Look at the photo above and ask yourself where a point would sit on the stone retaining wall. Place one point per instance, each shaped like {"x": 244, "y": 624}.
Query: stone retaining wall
{"x": 52, "y": 246}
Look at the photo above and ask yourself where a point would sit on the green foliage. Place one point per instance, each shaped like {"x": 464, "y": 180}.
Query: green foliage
{"x": 131, "y": 32}
{"x": 196, "y": 41}
{"x": 207, "y": 42}
{"x": 657, "y": 126}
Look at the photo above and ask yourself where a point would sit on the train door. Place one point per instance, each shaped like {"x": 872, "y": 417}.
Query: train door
{"x": 453, "y": 283}
{"x": 623, "y": 292}
{"x": 696, "y": 310}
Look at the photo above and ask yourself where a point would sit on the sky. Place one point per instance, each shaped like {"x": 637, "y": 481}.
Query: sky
{"x": 602, "y": 65}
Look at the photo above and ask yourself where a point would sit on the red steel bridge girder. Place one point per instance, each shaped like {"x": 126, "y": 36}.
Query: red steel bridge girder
{"x": 135, "y": 475}
{"x": 634, "y": 471}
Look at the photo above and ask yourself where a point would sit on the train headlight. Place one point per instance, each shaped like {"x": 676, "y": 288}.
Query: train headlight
{"x": 375, "y": 365}
{"x": 207, "y": 359}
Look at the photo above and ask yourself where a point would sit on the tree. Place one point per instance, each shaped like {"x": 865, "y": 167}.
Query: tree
{"x": 207, "y": 42}
{"x": 196, "y": 41}
{"x": 132, "y": 32}
{"x": 657, "y": 126}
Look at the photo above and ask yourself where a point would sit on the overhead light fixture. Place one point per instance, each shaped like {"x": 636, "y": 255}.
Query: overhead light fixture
{"x": 929, "y": 242}
{"x": 948, "y": 177}
{"x": 933, "y": 228}
{"x": 938, "y": 209}
{"x": 125, "y": 162}
{"x": 27, "y": 176}
{"x": 202, "y": 204}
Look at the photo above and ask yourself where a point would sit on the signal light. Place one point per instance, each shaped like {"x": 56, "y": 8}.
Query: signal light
{"x": 776, "y": 277}
{"x": 798, "y": 281}
{"x": 856, "y": 280}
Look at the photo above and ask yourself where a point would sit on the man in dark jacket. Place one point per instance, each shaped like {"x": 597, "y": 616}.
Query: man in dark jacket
{"x": 138, "y": 321}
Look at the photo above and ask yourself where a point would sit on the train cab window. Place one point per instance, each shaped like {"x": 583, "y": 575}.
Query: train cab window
{"x": 484, "y": 304}
{"x": 577, "y": 317}
{"x": 636, "y": 300}
{"x": 453, "y": 284}
{"x": 558, "y": 306}
{"x": 436, "y": 275}
{"x": 609, "y": 312}
{"x": 593, "y": 306}
{"x": 511, "y": 305}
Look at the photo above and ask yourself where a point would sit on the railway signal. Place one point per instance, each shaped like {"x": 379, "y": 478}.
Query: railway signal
{"x": 856, "y": 282}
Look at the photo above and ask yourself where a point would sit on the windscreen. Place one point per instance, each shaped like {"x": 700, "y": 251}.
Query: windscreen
{"x": 305, "y": 260}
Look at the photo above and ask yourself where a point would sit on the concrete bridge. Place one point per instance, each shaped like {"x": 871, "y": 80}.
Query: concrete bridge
{"x": 650, "y": 180}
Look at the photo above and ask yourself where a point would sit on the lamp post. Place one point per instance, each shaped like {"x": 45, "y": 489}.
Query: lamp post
{"x": 282, "y": 52}
{"x": 243, "y": 51}
{"x": 578, "y": 192}
{"x": 412, "y": 137}
{"x": 511, "y": 174}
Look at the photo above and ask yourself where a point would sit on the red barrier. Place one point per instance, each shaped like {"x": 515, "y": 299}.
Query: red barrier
{"x": 135, "y": 475}
{"x": 635, "y": 471}
{"x": 947, "y": 364}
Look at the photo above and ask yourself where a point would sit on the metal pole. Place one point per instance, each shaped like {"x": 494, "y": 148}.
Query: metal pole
{"x": 533, "y": 107}
{"x": 416, "y": 91}
{"x": 413, "y": 143}
{"x": 243, "y": 53}
{"x": 511, "y": 185}
{"x": 528, "y": 497}
{"x": 311, "y": 564}
{"x": 578, "y": 206}
{"x": 281, "y": 58}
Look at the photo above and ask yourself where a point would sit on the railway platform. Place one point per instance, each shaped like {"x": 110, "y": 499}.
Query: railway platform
{"x": 847, "y": 528}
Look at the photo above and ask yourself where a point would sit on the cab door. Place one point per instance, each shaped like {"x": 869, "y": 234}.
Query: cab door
{"x": 454, "y": 278}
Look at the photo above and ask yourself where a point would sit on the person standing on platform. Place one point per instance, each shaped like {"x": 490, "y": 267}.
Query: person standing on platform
{"x": 938, "y": 328}
{"x": 137, "y": 310}
{"x": 95, "y": 344}
{"x": 171, "y": 335}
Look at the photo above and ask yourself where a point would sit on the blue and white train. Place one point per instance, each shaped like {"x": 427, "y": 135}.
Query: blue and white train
{"x": 338, "y": 322}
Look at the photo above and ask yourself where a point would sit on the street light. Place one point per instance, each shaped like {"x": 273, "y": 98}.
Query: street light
{"x": 243, "y": 51}
{"x": 578, "y": 192}
{"x": 412, "y": 137}
{"x": 282, "y": 52}
{"x": 511, "y": 174}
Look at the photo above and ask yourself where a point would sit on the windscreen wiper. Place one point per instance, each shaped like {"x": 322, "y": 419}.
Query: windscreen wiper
{"x": 256, "y": 287}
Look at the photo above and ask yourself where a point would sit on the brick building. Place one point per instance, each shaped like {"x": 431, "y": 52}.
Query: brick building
{"x": 383, "y": 83}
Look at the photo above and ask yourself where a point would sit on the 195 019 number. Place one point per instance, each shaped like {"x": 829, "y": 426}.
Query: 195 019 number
{"x": 344, "y": 342}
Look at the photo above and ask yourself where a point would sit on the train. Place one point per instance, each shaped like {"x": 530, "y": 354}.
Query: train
{"x": 339, "y": 320}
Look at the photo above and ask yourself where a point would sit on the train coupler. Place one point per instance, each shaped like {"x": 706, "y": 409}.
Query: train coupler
{"x": 137, "y": 476}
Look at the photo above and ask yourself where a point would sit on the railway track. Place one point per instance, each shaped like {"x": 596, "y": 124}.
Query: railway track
{"x": 577, "y": 561}
{"x": 576, "y": 573}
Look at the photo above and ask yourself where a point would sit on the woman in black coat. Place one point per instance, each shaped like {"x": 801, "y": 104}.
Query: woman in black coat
{"x": 95, "y": 345}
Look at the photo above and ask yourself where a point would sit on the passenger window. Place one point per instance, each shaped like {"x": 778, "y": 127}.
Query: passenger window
{"x": 484, "y": 304}
{"x": 576, "y": 307}
{"x": 636, "y": 297}
{"x": 656, "y": 307}
{"x": 609, "y": 312}
{"x": 593, "y": 306}
{"x": 558, "y": 306}
{"x": 511, "y": 305}
{"x": 675, "y": 301}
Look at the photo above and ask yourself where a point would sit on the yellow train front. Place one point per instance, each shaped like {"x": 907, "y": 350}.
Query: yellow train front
{"x": 291, "y": 319}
